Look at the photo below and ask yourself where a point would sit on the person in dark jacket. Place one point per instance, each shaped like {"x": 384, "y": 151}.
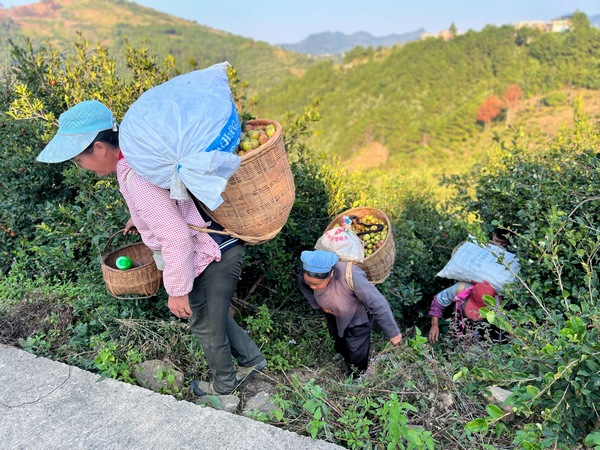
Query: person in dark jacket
{"x": 349, "y": 312}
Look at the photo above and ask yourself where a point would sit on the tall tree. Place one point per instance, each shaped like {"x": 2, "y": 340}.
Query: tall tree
{"x": 489, "y": 110}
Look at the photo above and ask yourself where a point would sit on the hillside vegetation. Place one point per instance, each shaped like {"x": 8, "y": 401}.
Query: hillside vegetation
{"x": 56, "y": 221}
{"x": 420, "y": 101}
{"x": 112, "y": 23}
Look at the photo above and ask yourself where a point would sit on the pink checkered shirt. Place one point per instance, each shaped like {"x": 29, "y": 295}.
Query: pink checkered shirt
{"x": 162, "y": 223}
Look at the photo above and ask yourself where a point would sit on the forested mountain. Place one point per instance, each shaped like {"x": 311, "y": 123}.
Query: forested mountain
{"x": 420, "y": 102}
{"x": 405, "y": 109}
{"x": 336, "y": 43}
{"x": 114, "y": 22}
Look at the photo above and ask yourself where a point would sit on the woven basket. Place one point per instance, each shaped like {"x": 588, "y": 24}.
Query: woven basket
{"x": 259, "y": 196}
{"x": 143, "y": 280}
{"x": 378, "y": 264}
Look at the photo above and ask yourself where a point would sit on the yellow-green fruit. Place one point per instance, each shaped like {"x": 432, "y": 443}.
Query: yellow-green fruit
{"x": 247, "y": 145}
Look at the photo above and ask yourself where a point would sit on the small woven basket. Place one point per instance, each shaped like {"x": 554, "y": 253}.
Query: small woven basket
{"x": 259, "y": 196}
{"x": 141, "y": 281}
{"x": 378, "y": 264}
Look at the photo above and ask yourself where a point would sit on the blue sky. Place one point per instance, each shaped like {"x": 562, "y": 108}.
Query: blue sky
{"x": 278, "y": 22}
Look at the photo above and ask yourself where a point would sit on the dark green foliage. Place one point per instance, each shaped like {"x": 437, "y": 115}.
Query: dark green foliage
{"x": 555, "y": 99}
{"x": 549, "y": 200}
{"x": 421, "y": 252}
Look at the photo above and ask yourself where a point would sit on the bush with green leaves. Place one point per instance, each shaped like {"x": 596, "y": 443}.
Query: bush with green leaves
{"x": 550, "y": 201}
{"x": 54, "y": 211}
{"x": 555, "y": 99}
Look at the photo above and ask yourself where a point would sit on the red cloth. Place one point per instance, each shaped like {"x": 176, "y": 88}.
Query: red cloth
{"x": 475, "y": 300}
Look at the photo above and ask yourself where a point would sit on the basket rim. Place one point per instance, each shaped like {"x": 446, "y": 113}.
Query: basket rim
{"x": 387, "y": 220}
{"x": 135, "y": 244}
{"x": 267, "y": 145}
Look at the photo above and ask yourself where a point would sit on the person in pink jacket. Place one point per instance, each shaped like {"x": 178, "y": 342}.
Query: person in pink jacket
{"x": 200, "y": 270}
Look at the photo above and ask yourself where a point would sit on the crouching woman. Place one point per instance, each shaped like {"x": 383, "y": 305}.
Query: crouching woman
{"x": 350, "y": 304}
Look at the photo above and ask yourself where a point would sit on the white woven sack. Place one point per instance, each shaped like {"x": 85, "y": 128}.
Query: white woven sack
{"x": 344, "y": 243}
{"x": 181, "y": 135}
{"x": 474, "y": 263}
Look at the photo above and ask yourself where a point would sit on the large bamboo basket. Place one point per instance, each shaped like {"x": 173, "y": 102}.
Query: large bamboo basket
{"x": 259, "y": 196}
{"x": 378, "y": 264}
{"x": 141, "y": 281}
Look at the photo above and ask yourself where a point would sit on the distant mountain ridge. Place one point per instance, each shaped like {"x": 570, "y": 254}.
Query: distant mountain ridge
{"x": 193, "y": 46}
{"x": 595, "y": 20}
{"x": 336, "y": 43}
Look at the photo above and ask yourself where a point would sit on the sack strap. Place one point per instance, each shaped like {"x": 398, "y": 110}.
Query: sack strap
{"x": 349, "y": 280}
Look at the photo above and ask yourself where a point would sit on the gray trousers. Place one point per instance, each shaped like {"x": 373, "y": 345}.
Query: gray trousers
{"x": 216, "y": 330}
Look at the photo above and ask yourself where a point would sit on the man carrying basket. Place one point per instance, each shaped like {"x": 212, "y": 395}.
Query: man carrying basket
{"x": 200, "y": 270}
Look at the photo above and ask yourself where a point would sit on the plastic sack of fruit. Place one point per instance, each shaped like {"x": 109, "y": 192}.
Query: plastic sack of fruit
{"x": 490, "y": 263}
{"x": 181, "y": 135}
{"x": 343, "y": 243}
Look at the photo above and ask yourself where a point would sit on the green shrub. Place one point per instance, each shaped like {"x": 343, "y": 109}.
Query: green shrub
{"x": 549, "y": 199}
{"x": 555, "y": 99}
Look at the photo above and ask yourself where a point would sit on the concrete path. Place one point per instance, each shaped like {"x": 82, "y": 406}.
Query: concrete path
{"x": 49, "y": 405}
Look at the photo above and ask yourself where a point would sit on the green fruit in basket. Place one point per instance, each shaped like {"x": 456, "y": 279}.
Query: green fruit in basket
{"x": 254, "y": 143}
{"x": 270, "y": 130}
{"x": 124, "y": 263}
{"x": 247, "y": 145}
{"x": 253, "y": 134}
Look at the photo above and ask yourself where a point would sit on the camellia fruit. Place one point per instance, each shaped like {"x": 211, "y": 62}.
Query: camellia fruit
{"x": 247, "y": 145}
{"x": 253, "y": 134}
{"x": 270, "y": 130}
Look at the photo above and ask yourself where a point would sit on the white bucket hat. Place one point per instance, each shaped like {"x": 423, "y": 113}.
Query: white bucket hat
{"x": 77, "y": 128}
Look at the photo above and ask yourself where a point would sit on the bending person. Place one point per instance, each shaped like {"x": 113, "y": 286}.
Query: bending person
{"x": 462, "y": 292}
{"x": 200, "y": 270}
{"x": 349, "y": 312}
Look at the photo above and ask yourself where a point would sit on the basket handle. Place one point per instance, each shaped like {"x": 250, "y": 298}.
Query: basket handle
{"x": 108, "y": 246}
{"x": 207, "y": 230}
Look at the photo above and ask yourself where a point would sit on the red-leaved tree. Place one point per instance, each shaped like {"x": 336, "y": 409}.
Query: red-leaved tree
{"x": 489, "y": 110}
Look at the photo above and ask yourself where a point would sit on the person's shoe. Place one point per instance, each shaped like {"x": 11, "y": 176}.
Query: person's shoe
{"x": 244, "y": 373}
{"x": 202, "y": 388}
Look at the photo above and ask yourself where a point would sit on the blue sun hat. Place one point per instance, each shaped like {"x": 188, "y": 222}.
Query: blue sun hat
{"x": 318, "y": 261}
{"x": 77, "y": 128}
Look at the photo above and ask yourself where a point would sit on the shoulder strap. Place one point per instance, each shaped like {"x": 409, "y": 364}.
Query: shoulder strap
{"x": 128, "y": 176}
{"x": 349, "y": 280}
